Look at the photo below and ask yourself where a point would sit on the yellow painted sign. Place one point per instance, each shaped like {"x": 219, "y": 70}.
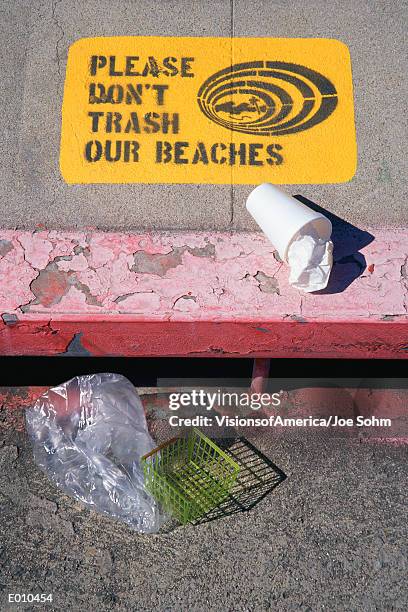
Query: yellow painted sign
{"x": 208, "y": 110}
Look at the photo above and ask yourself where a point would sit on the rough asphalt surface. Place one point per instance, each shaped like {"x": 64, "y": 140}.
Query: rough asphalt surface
{"x": 332, "y": 536}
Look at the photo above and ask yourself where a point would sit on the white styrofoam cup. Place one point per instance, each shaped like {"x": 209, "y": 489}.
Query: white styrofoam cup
{"x": 281, "y": 217}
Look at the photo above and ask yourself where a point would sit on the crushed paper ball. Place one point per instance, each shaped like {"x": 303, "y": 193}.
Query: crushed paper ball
{"x": 310, "y": 259}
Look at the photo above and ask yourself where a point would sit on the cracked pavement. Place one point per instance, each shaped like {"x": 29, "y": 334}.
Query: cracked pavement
{"x": 332, "y": 536}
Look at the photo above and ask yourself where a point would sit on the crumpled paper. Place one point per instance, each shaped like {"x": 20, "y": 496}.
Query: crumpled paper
{"x": 310, "y": 259}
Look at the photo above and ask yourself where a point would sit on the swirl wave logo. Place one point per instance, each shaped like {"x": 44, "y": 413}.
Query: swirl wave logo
{"x": 267, "y": 98}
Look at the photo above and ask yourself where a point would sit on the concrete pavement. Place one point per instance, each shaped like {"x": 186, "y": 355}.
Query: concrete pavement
{"x": 36, "y": 36}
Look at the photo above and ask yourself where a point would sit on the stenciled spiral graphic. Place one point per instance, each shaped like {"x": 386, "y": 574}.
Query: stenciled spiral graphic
{"x": 267, "y": 98}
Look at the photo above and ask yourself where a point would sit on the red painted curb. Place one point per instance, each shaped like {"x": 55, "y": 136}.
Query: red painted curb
{"x": 194, "y": 294}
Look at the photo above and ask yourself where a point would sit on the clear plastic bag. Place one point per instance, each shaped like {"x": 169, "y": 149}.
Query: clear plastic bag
{"x": 88, "y": 435}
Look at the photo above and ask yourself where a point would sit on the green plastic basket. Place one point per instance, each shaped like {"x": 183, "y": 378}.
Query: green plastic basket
{"x": 189, "y": 476}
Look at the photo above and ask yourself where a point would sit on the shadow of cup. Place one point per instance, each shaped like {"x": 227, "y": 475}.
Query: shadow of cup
{"x": 348, "y": 240}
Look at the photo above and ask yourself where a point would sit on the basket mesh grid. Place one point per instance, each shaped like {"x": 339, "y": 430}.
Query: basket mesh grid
{"x": 189, "y": 476}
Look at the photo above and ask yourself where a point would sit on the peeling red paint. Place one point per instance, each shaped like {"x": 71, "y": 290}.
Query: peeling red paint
{"x": 50, "y": 286}
{"x": 36, "y": 249}
{"x": 127, "y": 336}
{"x": 168, "y": 294}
